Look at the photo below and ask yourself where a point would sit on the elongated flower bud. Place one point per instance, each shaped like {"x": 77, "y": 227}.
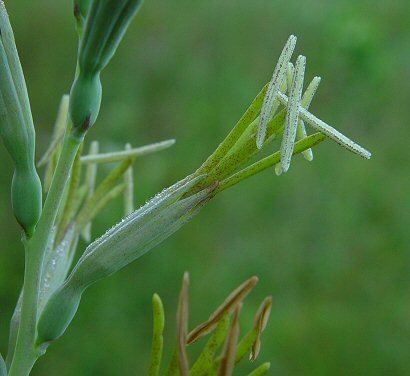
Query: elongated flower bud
{"x": 125, "y": 242}
{"x": 107, "y": 22}
{"x": 17, "y": 129}
{"x": 81, "y": 8}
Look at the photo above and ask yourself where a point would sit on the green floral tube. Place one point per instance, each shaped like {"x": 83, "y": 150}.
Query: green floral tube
{"x": 106, "y": 24}
{"x": 17, "y": 130}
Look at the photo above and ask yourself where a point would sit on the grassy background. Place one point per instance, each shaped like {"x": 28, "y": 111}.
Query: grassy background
{"x": 329, "y": 240}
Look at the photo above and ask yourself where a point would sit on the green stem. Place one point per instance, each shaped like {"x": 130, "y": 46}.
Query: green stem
{"x": 26, "y": 353}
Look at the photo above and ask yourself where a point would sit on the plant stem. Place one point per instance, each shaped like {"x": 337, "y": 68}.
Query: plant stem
{"x": 26, "y": 353}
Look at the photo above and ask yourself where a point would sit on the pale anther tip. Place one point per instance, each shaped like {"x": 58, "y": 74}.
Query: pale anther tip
{"x": 255, "y": 279}
{"x": 285, "y": 167}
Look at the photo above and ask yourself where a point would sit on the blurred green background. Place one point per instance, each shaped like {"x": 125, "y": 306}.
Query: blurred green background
{"x": 329, "y": 240}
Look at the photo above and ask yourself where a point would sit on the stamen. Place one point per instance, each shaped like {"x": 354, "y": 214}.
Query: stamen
{"x": 129, "y": 187}
{"x": 125, "y": 154}
{"x": 273, "y": 88}
{"x": 329, "y": 131}
{"x": 306, "y": 101}
{"x": 292, "y": 117}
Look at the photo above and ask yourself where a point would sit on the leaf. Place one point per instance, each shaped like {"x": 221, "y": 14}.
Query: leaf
{"x": 260, "y": 322}
{"x": 261, "y": 370}
{"x": 173, "y": 368}
{"x": 182, "y": 327}
{"x": 157, "y": 336}
{"x": 228, "y": 357}
{"x": 245, "y": 344}
{"x": 230, "y": 303}
{"x": 205, "y": 361}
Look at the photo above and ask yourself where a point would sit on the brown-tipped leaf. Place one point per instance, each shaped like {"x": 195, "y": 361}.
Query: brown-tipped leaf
{"x": 237, "y": 296}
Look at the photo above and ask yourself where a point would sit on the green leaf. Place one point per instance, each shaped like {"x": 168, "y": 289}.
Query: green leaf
{"x": 261, "y": 370}
{"x": 227, "y": 363}
{"x": 245, "y": 344}
{"x": 173, "y": 368}
{"x": 230, "y": 303}
{"x": 205, "y": 361}
{"x": 182, "y": 326}
{"x": 157, "y": 336}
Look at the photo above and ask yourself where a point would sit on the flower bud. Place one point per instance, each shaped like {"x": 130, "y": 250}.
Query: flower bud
{"x": 17, "y": 130}
{"x": 85, "y": 101}
{"x": 107, "y": 21}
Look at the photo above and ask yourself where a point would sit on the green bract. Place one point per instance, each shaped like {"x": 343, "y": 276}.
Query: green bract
{"x": 17, "y": 130}
{"x": 124, "y": 243}
{"x": 106, "y": 24}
